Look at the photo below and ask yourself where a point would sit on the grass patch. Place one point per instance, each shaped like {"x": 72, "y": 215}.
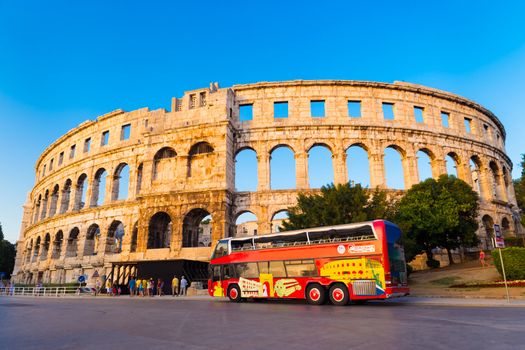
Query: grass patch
{"x": 446, "y": 281}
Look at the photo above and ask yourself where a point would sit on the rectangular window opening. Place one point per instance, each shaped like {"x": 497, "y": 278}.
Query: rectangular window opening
{"x": 354, "y": 109}
{"x": 317, "y": 108}
{"x": 193, "y": 101}
{"x": 87, "y": 145}
{"x": 445, "y": 119}
{"x": 60, "y": 158}
{"x": 125, "y": 132}
{"x": 246, "y": 112}
{"x": 51, "y": 164}
{"x": 202, "y": 96}
{"x": 418, "y": 114}
{"x": 388, "y": 111}
{"x": 72, "y": 152}
{"x": 468, "y": 124}
{"x": 105, "y": 138}
{"x": 280, "y": 109}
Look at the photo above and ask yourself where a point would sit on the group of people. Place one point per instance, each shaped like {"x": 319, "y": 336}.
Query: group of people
{"x": 7, "y": 288}
{"x": 148, "y": 287}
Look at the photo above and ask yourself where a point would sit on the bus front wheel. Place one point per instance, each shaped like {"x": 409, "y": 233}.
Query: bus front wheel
{"x": 315, "y": 294}
{"x": 234, "y": 293}
{"x": 339, "y": 294}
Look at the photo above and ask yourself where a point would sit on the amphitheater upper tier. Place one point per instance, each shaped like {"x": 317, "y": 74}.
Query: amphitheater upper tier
{"x": 160, "y": 185}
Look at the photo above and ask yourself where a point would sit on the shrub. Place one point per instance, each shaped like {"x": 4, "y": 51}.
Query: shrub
{"x": 410, "y": 269}
{"x": 433, "y": 263}
{"x": 513, "y": 242}
{"x": 514, "y": 259}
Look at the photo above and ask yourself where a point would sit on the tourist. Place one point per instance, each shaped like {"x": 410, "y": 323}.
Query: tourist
{"x": 108, "y": 286}
{"x": 145, "y": 287}
{"x": 151, "y": 287}
{"x": 131, "y": 286}
{"x": 160, "y": 287}
{"x": 97, "y": 287}
{"x": 183, "y": 285}
{"x": 175, "y": 286}
{"x": 482, "y": 258}
{"x": 114, "y": 290}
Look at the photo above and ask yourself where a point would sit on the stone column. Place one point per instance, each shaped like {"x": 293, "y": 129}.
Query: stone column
{"x": 377, "y": 169}
{"x": 485, "y": 183}
{"x": 340, "y": 171}
{"x": 439, "y": 166}
{"x": 147, "y": 174}
{"x": 301, "y": 170}
{"x": 410, "y": 169}
{"x": 263, "y": 171}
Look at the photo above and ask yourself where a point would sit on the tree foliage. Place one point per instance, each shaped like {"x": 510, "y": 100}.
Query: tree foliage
{"x": 340, "y": 204}
{"x": 7, "y": 254}
{"x": 519, "y": 188}
{"x": 440, "y": 213}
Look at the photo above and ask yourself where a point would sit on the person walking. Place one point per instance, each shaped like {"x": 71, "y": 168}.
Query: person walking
{"x": 175, "y": 286}
{"x": 183, "y": 285}
{"x": 145, "y": 287}
{"x": 132, "y": 284}
{"x": 151, "y": 287}
{"x": 160, "y": 287}
{"x": 108, "y": 286}
{"x": 482, "y": 258}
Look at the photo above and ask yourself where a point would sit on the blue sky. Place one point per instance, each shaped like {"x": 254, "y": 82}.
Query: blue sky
{"x": 63, "y": 62}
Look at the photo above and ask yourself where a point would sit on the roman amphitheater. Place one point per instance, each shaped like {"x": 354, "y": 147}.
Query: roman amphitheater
{"x": 159, "y": 186}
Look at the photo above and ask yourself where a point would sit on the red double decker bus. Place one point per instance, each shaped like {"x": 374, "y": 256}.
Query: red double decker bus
{"x": 341, "y": 263}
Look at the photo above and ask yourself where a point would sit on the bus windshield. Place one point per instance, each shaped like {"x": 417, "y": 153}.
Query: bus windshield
{"x": 396, "y": 254}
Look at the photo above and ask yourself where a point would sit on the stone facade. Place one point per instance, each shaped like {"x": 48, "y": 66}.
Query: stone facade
{"x": 181, "y": 166}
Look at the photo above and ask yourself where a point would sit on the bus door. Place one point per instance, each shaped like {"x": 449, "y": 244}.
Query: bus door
{"x": 216, "y": 287}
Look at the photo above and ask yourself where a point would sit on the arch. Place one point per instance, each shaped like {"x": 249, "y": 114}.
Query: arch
{"x": 495, "y": 180}
{"x": 36, "y": 251}
{"x": 54, "y": 201}
{"x": 197, "y": 228}
{"x": 37, "y": 209}
{"x": 66, "y": 194}
{"x": 199, "y": 159}
{"x": 394, "y": 171}
{"x": 134, "y": 237}
{"x": 246, "y": 168}
{"x": 92, "y": 240}
{"x": 358, "y": 165}
{"x": 98, "y": 188}
{"x": 115, "y": 237}
{"x": 72, "y": 242}
{"x": 139, "y": 178}
{"x": 29, "y": 249}
{"x": 57, "y": 245}
{"x": 488, "y": 225}
{"x": 164, "y": 164}
{"x": 80, "y": 195}
{"x": 475, "y": 172}
{"x": 325, "y": 144}
{"x": 277, "y": 218}
{"x": 505, "y": 227}
{"x": 282, "y": 168}
{"x": 452, "y": 163}
{"x": 159, "y": 231}
{"x": 45, "y": 246}
{"x": 424, "y": 164}
{"x": 120, "y": 185}
{"x": 245, "y": 224}
{"x": 44, "y": 205}
{"x": 320, "y": 165}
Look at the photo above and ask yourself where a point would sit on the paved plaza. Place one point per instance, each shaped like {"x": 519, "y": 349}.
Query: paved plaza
{"x": 204, "y": 323}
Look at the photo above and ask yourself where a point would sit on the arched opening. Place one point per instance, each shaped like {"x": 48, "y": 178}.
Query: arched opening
{"x": 164, "y": 164}
{"x": 452, "y": 163}
{"x": 44, "y": 206}
{"x": 119, "y": 189}
{"x": 505, "y": 227}
{"x": 159, "y": 231}
{"x": 282, "y": 168}
{"x": 200, "y": 160}
{"x": 395, "y": 176}
{"x": 45, "y": 247}
{"x": 115, "y": 237}
{"x": 277, "y": 219}
{"x": 506, "y": 179}
{"x": 358, "y": 165}
{"x": 134, "y": 237}
{"x": 488, "y": 225}
{"x": 66, "y": 194}
{"x": 246, "y": 170}
{"x": 29, "y": 250}
{"x": 99, "y": 188}
{"x": 72, "y": 243}
{"x": 139, "y": 178}
{"x": 320, "y": 166}
{"x": 424, "y": 165}
{"x": 246, "y": 224}
{"x": 57, "y": 245}
{"x": 92, "y": 240}
{"x": 36, "y": 251}
{"x": 197, "y": 229}
{"x": 54, "y": 201}
{"x": 495, "y": 180}
{"x": 37, "y": 209}
{"x": 80, "y": 195}
{"x": 475, "y": 171}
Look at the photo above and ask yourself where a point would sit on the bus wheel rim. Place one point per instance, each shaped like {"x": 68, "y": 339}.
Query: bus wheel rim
{"x": 233, "y": 293}
{"x": 338, "y": 294}
{"x": 315, "y": 294}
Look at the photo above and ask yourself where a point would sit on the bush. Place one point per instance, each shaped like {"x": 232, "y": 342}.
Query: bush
{"x": 513, "y": 242}
{"x": 410, "y": 269}
{"x": 433, "y": 263}
{"x": 514, "y": 259}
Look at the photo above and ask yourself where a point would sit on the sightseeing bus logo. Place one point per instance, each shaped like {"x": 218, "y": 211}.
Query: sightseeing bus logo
{"x": 369, "y": 248}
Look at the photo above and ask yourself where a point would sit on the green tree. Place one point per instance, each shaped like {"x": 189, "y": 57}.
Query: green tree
{"x": 339, "y": 204}
{"x": 519, "y": 188}
{"x": 440, "y": 213}
{"x": 7, "y": 254}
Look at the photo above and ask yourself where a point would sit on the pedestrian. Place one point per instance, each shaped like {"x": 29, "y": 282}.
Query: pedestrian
{"x": 108, "y": 286}
{"x": 97, "y": 287}
{"x": 151, "y": 287}
{"x": 160, "y": 287}
{"x": 175, "y": 286}
{"x": 144, "y": 287}
{"x": 131, "y": 284}
{"x": 183, "y": 285}
{"x": 482, "y": 258}
{"x": 114, "y": 290}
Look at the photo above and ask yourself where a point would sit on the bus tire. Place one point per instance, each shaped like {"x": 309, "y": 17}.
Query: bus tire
{"x": 315, "y": 294}
{"x": 339, "y": 295}
{"x": 234, "y": 293}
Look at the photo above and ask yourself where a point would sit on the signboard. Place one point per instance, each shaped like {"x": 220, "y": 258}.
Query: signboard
{"x": 498, "y": 237}
{"x": 81, "y": 278}
{"x": 95, "y": 274}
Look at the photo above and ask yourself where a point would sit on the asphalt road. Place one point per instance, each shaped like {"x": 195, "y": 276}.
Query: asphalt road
{"x": 141, "y": 323}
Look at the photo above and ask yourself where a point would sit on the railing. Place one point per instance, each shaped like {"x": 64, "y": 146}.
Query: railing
{"x": 45, "y": 291}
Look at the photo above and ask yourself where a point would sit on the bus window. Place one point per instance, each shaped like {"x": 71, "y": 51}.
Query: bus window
{"x": 228, "y": 271}
{"x": 396, "y": 255}
{"x": 263, "y": 267}
{"x": 216, "y": 273}
{"x": 277, "y": 269}
{"x": 243, "y": 244}
{"x": 220, "y": 250}
{"x": 247, "y": 270}
{"x": 341, "y": 235}
{"x": 300, "y": 268}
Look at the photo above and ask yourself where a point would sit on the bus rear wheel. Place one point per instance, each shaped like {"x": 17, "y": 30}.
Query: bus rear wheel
{"x": 234, "y": 293}
{"x": 339, "y": 294}
{"x": 315, "y": 294}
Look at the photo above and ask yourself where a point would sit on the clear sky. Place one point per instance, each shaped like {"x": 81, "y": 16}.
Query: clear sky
{"x": 62, "y": 62}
